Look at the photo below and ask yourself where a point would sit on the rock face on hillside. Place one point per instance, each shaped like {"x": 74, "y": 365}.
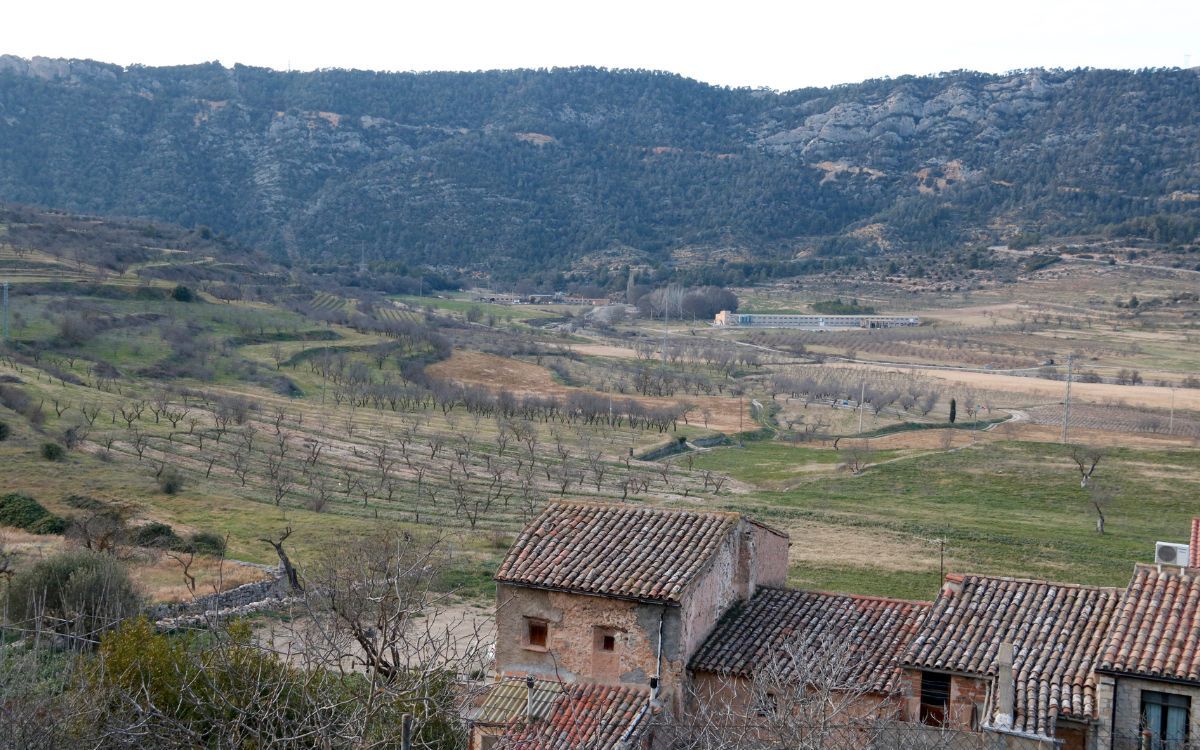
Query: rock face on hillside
{"x": 517, "y": 170}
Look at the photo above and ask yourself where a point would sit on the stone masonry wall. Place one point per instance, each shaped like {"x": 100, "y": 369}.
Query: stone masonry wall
{"x": 576, "y": 625}
{"x": 1120, "y": 708}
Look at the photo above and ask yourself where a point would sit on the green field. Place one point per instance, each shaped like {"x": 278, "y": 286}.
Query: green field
{"x": 1007, "y": 508}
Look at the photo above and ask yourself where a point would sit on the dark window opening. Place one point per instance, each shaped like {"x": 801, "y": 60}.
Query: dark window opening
{"x": 609, "y": 643}
{"x": 1165, "y": 719}
{"x": 766, "y": 705}
{"x": 935, "y": 696}
{"x": 538, "y": 632}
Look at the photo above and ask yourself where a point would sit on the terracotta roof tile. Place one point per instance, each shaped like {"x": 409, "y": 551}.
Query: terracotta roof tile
{"x": 629, "y": 551}
{"x": 1157, "y": 630}
{"x": 878, "y": 630}
{"x": 1194, "y": 546}
{"x": 585, "y": 717}
{"x": 508, "y": 701}
{"x": 1057, "y": 630}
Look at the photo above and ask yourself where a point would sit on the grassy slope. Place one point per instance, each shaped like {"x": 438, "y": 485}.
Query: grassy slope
{"x": 1004, "y": 508}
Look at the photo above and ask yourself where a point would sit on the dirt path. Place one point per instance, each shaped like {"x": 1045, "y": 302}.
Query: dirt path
{"x": 1098, "y": 393}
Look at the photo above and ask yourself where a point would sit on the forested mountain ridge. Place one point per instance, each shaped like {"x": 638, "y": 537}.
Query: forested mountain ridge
{"x": 513, "y": 172}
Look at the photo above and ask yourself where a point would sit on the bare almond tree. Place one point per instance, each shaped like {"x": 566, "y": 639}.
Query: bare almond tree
{"x": 376, "y": 608}
{"x": 1086, "y": 460}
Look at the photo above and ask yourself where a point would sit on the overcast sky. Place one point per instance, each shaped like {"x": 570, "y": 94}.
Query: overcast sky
{"x": 781, "y": 45}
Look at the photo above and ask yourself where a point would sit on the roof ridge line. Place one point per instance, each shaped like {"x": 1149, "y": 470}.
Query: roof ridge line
{"x": 654, "y": 508}
{"x": 961, "y": 577}
{"x": 863, "y": 597}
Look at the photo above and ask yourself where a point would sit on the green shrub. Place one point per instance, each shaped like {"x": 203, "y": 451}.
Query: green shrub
{"x": 207, "y": 543}
{"x": 20, "y": 510}
{"x": 48, "y": 524}
{"x": 170, "y": 481}
{"x": 84, "y": 502}
{"x": 158, "y": 535}
{"x": 75, "y": 593}
{"x": 53, "y": 452}
{"x": 219, "y": 684}
{"x": 182, "y": 294}
{"x": 5, "y": 431}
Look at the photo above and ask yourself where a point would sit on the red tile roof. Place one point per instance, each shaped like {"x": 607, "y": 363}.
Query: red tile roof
{"x": 585, "y": 717}
{"x": 509, "y": 701}
{"x": 628, "y": 551}
{"x": 753, "y": 635}
{"x": 1157, "y": 632}
{"x": 1194, "y": 547}
{"x": 1057, "y": 630}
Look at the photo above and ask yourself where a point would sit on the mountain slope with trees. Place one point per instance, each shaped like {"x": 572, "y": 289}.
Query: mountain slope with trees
{"x": 524, "y": 172}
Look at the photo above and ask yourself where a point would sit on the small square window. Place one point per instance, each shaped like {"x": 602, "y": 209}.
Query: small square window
{"x": 609, "y": 643}
{"x": 538, "y": 632}
{"x": 766, "y": 704}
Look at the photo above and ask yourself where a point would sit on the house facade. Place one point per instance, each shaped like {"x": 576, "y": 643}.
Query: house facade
{"x": 623, "y": 594}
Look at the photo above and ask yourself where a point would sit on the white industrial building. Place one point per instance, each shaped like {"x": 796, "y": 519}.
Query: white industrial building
{"x": 725, "y": 318}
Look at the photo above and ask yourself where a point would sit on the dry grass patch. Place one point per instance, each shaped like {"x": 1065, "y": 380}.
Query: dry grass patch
{"x": 160, "y": 578}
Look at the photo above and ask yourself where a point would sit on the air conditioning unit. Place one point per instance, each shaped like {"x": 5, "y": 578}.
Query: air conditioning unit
{"x": 1168, "y": 553}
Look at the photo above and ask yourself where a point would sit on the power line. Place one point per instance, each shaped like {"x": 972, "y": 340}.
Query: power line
{"x": 1067, "y": 401}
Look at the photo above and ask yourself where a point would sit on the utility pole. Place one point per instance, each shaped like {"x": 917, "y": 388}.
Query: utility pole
{"x": 862, "y": 393}
{"x": 4, "y": 338}
{"x": 1067, "y": 401}
{"x": 666, "y": 322}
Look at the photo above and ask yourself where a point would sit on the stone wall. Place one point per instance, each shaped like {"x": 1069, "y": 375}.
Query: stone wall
{"x": 1119, "y": 700}
{"x": 243, "y": 600}
{"x": 751, "y": 556}
{"x": 576, "y": 625}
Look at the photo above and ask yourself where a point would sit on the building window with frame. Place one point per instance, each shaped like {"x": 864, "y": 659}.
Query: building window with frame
{"x": 1165, "y": 718}
{"x": 604, "y": 639}
{"x": 935, "y": 697}
{"x": 537, "y": 633}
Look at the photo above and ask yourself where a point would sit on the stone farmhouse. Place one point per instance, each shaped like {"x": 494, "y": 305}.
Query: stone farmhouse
{"x": 616, "y": 620}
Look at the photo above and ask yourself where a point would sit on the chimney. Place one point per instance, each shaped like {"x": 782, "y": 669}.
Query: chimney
{"x": 1194, "y": 546}
{"x": 529, "y": 699}
{"x": 1005, "y": 689}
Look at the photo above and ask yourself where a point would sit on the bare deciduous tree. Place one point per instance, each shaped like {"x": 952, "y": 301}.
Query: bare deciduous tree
{"x": 1086, "y": 460}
